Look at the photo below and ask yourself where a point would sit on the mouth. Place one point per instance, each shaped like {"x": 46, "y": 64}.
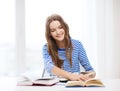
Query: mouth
{"x": 59, "y": 35}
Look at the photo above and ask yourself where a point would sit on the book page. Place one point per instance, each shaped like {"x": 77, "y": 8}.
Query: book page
{"x": 46, "y": 82}
{"x": 74, "y": 83}
{"x": 91, "y": 82}
{"x": 94, "y": 82}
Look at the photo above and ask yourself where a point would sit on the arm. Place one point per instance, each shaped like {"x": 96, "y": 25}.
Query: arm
{"x": 84, "y": 59}
{"x": 89, "y": 71}
{"x": 62, "y": 73}
{"x": 71, "y": 76}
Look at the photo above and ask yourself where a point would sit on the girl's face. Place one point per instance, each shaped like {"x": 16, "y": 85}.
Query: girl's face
{"x": 57, "y": 31}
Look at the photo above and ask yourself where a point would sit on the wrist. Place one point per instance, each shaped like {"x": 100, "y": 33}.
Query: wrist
{"x": 68, "y": 75}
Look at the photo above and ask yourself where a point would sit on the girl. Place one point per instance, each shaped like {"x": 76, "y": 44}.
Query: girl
{"x": 62, "y": 54}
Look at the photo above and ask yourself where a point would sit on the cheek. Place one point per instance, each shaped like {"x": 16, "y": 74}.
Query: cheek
{"x": 52, "y": 34}
{"x": 63, "y": 31}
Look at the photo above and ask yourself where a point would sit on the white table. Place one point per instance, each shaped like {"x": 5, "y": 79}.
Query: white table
{"x": 9, "y": 84}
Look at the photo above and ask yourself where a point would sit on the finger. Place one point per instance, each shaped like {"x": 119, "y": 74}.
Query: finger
{"x": 84, "y": 78}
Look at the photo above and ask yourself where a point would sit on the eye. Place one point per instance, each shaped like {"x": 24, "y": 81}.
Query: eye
{"x": 52, "y": 30}
{"x": 60, "y": 27}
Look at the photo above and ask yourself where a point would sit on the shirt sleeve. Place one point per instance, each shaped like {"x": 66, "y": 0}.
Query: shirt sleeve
{"x": 84, "y": 59}
{"x": 48, "y": 64}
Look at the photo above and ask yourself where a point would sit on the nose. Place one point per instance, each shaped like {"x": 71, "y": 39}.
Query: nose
{"x": 58, "y": 31}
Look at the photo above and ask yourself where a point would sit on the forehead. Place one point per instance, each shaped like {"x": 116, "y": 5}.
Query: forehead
{"x": 54, "y": 24}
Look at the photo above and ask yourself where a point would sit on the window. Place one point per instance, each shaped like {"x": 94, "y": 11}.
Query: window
{"x": 7, "y": 36}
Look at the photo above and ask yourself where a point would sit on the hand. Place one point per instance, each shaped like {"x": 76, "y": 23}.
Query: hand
{"x": 74, "y": 77}
{"x": 87, "y": 75}
{"x": 84, "y": 77}
{"x": 80, "y": 77}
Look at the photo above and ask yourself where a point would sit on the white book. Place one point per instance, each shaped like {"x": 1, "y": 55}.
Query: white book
{"x": 39, "y": 82}
{"x": 32, "y": 78}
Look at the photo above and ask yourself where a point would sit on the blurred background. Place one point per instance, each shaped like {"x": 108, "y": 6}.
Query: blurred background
{"x": 96, "y": 23}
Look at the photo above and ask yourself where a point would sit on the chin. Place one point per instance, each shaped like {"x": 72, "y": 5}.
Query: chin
{"x": 61, "y": 39}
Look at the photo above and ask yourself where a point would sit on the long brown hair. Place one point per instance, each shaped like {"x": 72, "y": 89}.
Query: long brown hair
{"x": 52, "y": 46}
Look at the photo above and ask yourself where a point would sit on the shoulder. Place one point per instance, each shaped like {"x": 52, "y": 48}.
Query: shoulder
{"x": 76, "y": 42}
{"x": 45, "y": 46}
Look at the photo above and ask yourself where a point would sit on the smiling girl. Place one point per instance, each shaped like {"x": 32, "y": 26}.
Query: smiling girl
{"x": 62, "y": 54}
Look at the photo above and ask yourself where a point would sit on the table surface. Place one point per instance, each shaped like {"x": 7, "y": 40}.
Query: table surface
{"x": 9, "y": 84}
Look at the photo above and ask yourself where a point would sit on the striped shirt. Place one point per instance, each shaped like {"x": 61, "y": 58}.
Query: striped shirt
{"x": 78, "y": 57}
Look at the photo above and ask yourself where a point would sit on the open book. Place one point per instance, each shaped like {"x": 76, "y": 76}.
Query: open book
{"x": 89, "y": 83}
{"x": 34, "y": 78}
{"x": 38, "y": 82}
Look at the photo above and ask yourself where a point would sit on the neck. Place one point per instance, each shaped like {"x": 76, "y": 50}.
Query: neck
{"x": 60, "y": 44}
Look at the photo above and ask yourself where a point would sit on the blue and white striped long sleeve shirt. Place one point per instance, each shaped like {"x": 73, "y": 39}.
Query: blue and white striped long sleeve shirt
{"x": 78, "y": 57}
